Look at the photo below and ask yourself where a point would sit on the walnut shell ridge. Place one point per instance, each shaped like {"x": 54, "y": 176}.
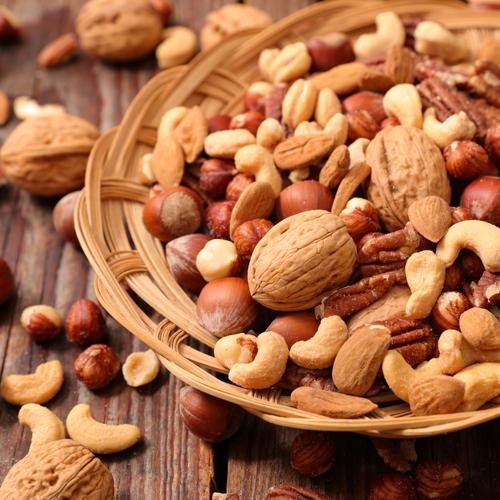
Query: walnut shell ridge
{"x": 47, "y": 155}
{"x": 406, "y": 166}
{"x": 300, "y": 260}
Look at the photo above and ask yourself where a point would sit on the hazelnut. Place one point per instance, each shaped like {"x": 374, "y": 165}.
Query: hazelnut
{"x": 391, "y": 121}
{"x": 174, "y": 212}
{"x": 218, "y": 123}
{"x": 492, "y": 143}
{"x": 238, "y": 185}
{"x": 448, "y": 308}
{"x": 218, "y": 217}
{"x": 366, "y": 101}
{"x": 10, "y": 28}
{"x": 360, "y": 217}
{"x": 215, "y": 175}
{"x": 247, "y": 235}
{"x": 181, "y": 259}
{"x": 471, "y": 265}
{"x": 6, "y": 281}
{"x": 254, "y": 97}
{"x": 225, "y": 306}
{"x": 312, "y": 453}
{"x": 466, "y": 159}
{"x": 218, "y": 259}
{"x": 140, "y": 368}
{"x": 436, "y": 480}
{"x": 393, "y": 486}
{"x": 453, "y": 278}
{"x": 249, "y": 120}
{"x": 294, "y": 326}
{"x": 329, "y": 51}
{"x": 85, "y": 323}
{"x": 43, "y": 323}
{"x": 482, "y": 198}
{"x": 63, "y": 217}
{"x": 361, "y": 125}
{"x": 97, "y": 366}
{"x": 163, "y": 7}
{"x": 458, "y": 214}
{"x": 303, "y": 196}
{"x": 209, "y": 418}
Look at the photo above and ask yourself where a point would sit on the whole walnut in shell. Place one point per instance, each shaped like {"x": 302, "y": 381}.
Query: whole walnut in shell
{"x": 119, "y": 30}
{"x": 406, "y": 166}
{"x": 300, "y": 260}
{"x": 47, "y": 155}
{"x": 59, "y": 469}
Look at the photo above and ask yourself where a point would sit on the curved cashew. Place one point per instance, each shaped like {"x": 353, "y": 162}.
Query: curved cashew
{"x": 170, "y": 121}
{"x": 338, "y": 128}
{"x": 308, "y": 128}
{"x": 482, "y": 383}
{"x": 480, "y": 328}
{"x": 99, "y": 437}
{"x": 481, "y": 237}
{"x": 357, "y": 151}
{"x": 390, "y": 31}
{"x": 45, "y": 425}
{"x": 433, "y": 39}
{"x": 425, "y": 274}
{"x": 237, "y": 348}
{"x": 327, "y": 105}
{"x": 140, "y": 368}
{"x": 270, "y": 133}
{"x": 38, "y": 387}
{"x": 226, "y": 143}
{"x": 454, "y": 128}
{"x": 320, "y": 350}
{"x": 257, "y": 160}
{"x": 268, "y": 366}
{"x": 178, "y": 46}
{"x": 403, "y": 102}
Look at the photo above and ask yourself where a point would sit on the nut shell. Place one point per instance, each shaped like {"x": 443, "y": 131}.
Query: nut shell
{"x": 312, "y": 453}
{"x": 437, "y": 480}
{"x": 466, "y": 159}
{"x": 63, "y": 217}
{"x": 294, "y": 326}
{"x": 85, "y": 323}
{"x": 393, "y": 486}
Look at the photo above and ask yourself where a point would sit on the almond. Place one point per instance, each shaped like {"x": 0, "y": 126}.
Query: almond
{"x": 301, "y": 151}
{"x": 342, "y": 79}
{"x": 359, "y": 359}
{"x": 59, "y": 51}
{"x": 400, "y": 64}
{"x": 4, "y": 108}
{"x": 167, "y": 161}
{"x": 331, "y": 404}
{"x": 348, "y": 186}
{"x": 431, "y": 217}
{"x": 335, "y": 168}
{"x": 191, "y": 133}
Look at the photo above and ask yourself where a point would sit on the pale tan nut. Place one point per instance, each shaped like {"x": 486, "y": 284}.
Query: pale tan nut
{"x": 258, "y": 161}
{"x": 299, "y": 174}
{"x": 299, "y": 102}
{"x": 59, "y": 51}
{"x": 170, "y": 120}
{"x": 5, "y": 112}
{"x": 482, "y": 383}
{"x": 191, "y": 133}
{"x": 480, "y": 328}
{"x": 431, "y": 217}
{"x": 338, "y": 128}
{"x": 146, "y": 174}
{"x": 390, "y": 31}
{"x": 236, "y": 348}
{"x": 335, "y": 167}
{"x": 178, "y": 47}
{"x": 141, "y": 368}
{"x": 308, "y": 128}
{"x": 45, "y": 425}
{"x": 290, "y": 63}
{"x": 38, "y": 387}
{"x": 218, "y": 259}
{"x": 226, "y": 143}
{"x": 327, "y": 105}
{"x": 99, "y": 437}
{"x": 357, "y": 150}
{"x": 300, "y": 151}
{"x": 255, "y": 96}
{"x": 403, "y": 102}
{"x": 435, "y": 395}
{"x": 320, "y": 350}
{"x": 267, "y": 367}
{"x": 270, "y": 133}
{"x": 456, "y": 127}
{"x": 433, "y": 39}
{"x": 25, "y": 107}
{"x": 425, "y": 274}
{"x": 481, "y": 237}
{"x": 167, "y": 162}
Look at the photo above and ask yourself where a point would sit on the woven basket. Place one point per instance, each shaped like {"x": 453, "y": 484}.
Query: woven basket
{"x": 127, "y": 258}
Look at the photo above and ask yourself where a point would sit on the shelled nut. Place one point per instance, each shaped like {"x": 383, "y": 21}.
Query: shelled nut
{"x": 218, "y": 259}
{"x": 140, "y": 368}
{"x": 97, "y": 366}
{"x": 7, "y": 284}
{"x": 85, "y": 323}
{"x": 43, "y": 323}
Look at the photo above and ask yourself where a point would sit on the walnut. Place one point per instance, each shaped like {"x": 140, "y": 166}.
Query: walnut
{"x": 119, "y": 30}
{"x": 47, "y": 155}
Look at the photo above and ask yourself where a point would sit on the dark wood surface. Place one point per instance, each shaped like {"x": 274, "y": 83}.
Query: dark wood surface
{"x": 169, "y": 463}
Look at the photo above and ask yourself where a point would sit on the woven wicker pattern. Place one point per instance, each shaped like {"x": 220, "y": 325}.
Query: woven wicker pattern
{"x": 127, "y": 258}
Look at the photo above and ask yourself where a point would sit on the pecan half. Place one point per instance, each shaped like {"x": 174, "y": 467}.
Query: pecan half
{"x": 291, "y": 492}
{"x": 397, "y": 454}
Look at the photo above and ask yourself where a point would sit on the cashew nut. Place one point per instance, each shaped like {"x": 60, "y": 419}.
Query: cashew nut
{"x": 433, "y": 39}
{"x": 320, "y": 350}
{"x": 291, "y": 62}
{"x": 299, "y": 102}
{"x": 38, "y": 387}
{"x": 226, "y": 143}
{"x": 45, "y": 425}
{"x": 25, "y": 107}
{"x": 178, "y": 46}
{"x": 481, "y": 237}
{"x": 257, "y": 160}
{"x": 482, "y": 383}
{"x": 99, "y": 437}
{"x": 327, "y": 105}
{"x": 308, "y": 128}
{"x": 425, "y": 274}
{"x": 299, "y": 174}
{"x": 357, "y": 151}
{"x": 237, "y": 348}
{"x": 270, "y": 133}
{"x": 338, "y": 128}
{"x": 390, "y": 31}
{"x": 268, "y": 366}
{"x": 140, "y": 368}
{"x": 454, "y": 128}
{"x": 403, "y": 102}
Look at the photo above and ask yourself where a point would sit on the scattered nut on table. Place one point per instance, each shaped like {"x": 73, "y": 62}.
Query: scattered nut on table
{"x": 141, "y": 368}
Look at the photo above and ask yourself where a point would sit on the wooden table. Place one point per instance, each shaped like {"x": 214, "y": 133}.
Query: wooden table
{"x": 170, "y": 463}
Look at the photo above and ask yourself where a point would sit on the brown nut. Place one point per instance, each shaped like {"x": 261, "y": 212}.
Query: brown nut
{"x": 174, "y": 212}
{"x": 225, "y": 306}
{"x": 492, "y": 143}
{"x": 453, "y": 278}
{"x": 218, "y": 218}
{"x": 249, "y": 120}
{"x": 391, "y": 121}
{"x": 449, "y": 306}
{"x": 43, "y": 323}
{"x": 97, "y": 366}
{"x": 360, "y": 217}
{"x": 312, "y": 453}
{"x": 291, "y": 492}
{"x": 59, "y": 51}
{"x": 471, "y": 265}
{"x": 303, "y": 196}
{"x": 215, "y": 176}
{"x": 85, "y": 323}
{"x": 361, "y": 124}
{"x": 329, "y": 51}
{"x": 482, "y": 198}
{"x": 254, "y": 96}
{"x": 7, "y": 283}
{"x": 181, "y": 259}
{"x": 393, "y": 486}
{"x": 163, "y": 7}
{"x": 437, "y": 480}
{"x": 295, "y": 326}
{"x": 466, "y": 159}
{"x": 247, "y": 235}
{"x": 10, "y": 28}
{"x": 366, "y": 101}
{"x": 209, "y": 418}
{"x": 63, "y": 217}
{"x": 218, "y": 123}
{"x": 239, "y": 183}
